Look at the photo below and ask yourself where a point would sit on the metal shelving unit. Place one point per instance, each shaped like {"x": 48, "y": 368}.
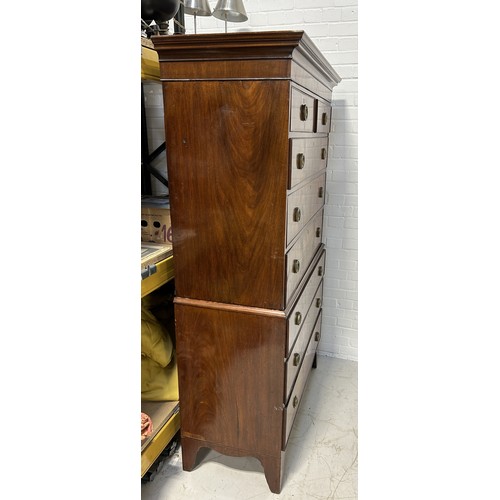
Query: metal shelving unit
{"x": 165, "y": 415}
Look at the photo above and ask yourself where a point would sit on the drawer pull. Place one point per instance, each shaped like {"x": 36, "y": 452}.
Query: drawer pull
{"x": 296, "y": 266}
{"x": 304, "y": 112}
{"x": 320, "y": 271}
{"x": 317, "y": 336}
{"x": 295, "y": 401}
{"x": 318, "y": 232}
{"x": 324, "y": 119}
{"x": 320, "y": 192}
{"x": 296, "y": 359}
{"x": 318, "y": 302}
{"x": 301, "y": 161}
{"x": 298, "y": 318}
{"x": 296, "y": 214}
{"x": 323, "y": 153}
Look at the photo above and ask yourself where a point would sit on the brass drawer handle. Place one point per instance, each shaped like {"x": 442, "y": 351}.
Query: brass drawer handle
{"x": 317, "y": 336}
{"x": 295, "y": 401}
{"x": 320, "y": 271}
{"x": 301, "y": 161}
{"x": 318, "y": 232}
{"x": 324, "y": 119}
{"x": 296, "y": 214}
{"x": 323, "y": 153}
{"x": 296, "y": 266}
{"x": 304, "y": 112}
{"x": 296, "y": 359}
{"x": 318, "y": 302}
{"x": 298, "y": 318}
{"x": 320, "y": 192}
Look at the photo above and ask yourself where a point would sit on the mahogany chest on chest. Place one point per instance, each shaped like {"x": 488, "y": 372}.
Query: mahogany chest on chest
{"x": 247, "y": 120}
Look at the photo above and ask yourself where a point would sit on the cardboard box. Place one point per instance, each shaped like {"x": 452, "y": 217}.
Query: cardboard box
{"x": 155, "y": 220}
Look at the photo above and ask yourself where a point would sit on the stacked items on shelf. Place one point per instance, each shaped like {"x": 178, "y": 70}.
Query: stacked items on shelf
{"x": 156, "y": 232}
{"x": 159, "y": 380}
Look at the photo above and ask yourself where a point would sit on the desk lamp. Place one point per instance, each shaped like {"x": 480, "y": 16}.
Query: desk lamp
{"x": 230, "y": 10}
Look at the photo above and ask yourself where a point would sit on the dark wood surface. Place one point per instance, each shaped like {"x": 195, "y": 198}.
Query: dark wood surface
{"x": 250, "y": 45}
{"x": 243, "y": 55}
{"x": 227, "y": 156}
{"x": 223, "y": 70}
{"x": 230, "y": 379}
{"x": 228, "y": 364}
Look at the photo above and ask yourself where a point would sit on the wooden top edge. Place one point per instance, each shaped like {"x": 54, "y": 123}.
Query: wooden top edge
{"x": 205, "y": 304}
{"x": 229, "y": 39}
{"x": 243, "y": 45}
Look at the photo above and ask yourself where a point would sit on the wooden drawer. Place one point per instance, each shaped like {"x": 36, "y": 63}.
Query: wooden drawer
{"x": 301, "y": 112}
{"x": 293, "y": 404}
{"x": 302, "y": 204}
{"x": 294, "y": 361}
{"x": 298, "y": 314}
{"x": 307, "y": 157}
{"x": 301, "y": 254}
{"x": 323, "y": 117}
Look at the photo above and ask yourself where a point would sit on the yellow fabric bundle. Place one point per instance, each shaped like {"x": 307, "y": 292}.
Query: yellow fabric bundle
{"x": 159, "y": 381}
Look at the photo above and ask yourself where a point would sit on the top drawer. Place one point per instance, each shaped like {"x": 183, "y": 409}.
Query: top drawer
{"x": 324, "y": 117}
{"x": 301, "y": 112}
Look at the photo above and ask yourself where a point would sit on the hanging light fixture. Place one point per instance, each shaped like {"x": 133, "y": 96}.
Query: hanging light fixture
{"x": 230, "y": 10}
{"x": 157, "y": 13}
{"x": 197, "y": 8}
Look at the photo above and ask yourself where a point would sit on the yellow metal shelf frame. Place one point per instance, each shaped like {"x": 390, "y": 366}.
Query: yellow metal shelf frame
{"x": 164, "y": 273}
{"x": 153, "y": 450}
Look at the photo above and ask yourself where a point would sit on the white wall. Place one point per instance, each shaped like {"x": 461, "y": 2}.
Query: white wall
{"x": 333, "y": 26}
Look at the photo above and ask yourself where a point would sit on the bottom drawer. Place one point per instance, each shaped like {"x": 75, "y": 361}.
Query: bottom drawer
{"x": 296, "y": 396}
{"x": 292, "y": 365}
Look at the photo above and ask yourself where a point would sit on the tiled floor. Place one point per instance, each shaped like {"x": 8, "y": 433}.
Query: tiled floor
{"x": 322, "y": 452}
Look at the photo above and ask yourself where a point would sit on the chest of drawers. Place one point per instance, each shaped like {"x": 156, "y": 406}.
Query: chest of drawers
{"x": 247, "y": 118}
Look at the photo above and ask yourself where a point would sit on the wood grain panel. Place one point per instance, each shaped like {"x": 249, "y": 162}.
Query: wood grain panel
{"x": 210, "y": 70}
{"x": 227, "y": 158}
{"x": 309, "y": 66}
{"x": 228, "y": 365}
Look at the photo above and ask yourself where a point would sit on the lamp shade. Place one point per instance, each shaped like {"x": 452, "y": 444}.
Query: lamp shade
{"x": 197, "y": 7}
{"x": 230, "y": 10}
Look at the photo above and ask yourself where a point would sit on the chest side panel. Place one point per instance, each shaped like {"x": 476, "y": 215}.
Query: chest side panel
{"x": 227, "y": 156}
{"x": 231, "y": 376}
